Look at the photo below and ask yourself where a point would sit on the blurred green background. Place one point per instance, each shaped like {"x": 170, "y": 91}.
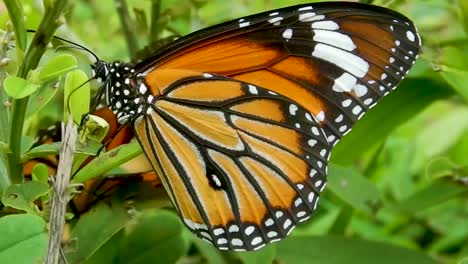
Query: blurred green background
{"x": 398, "y": 183}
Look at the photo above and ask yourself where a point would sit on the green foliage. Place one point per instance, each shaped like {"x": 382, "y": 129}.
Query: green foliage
{"x": 397, "y": 186}
{"x": 23, "y": 240}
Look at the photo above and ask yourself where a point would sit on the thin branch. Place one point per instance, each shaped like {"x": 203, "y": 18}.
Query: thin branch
{"x": 60, "y": 197}
{"x": 154, "y": 18}
{"x": 127, "y": 27}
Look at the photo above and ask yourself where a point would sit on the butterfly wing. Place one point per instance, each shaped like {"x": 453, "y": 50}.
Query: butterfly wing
{"x": 246, "y": 112}
{"x": 242, "y": 167}
{"x": 335, "y": 59}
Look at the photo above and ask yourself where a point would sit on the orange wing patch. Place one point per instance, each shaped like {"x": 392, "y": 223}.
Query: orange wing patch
{"x": 285, "y": 137}
{"x": 278, "y": 191}
{"x": 214, "y": 203}
{"x": 265, "y": 108}
{"x": 251, "y": 207}
{"x": 295, "y": 168}
{"x": 214, "y": 91}
{"x": 225, "y": 57}
{"x": 207, "y": 124}
{"x": 283, "y": 86}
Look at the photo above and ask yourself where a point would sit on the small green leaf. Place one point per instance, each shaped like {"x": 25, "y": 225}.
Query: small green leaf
{"x": 77, "y": 98}
{"x": 340, "y": 250}
{"x": 22, "y": 196}
{"x": 17, "y": 87}
{"x": 56, "y": 67}
{"x": 353, "y": 188}
{"x": 40, "y": 173}
{"x": 23, "y": 240}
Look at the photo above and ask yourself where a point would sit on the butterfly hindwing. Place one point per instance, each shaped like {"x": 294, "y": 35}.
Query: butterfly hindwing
{"x": 243, "y": 167}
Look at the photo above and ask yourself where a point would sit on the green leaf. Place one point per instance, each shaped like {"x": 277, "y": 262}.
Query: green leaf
{"x": 17, "y": 87}
{"x": 42, "y": 151}
{"x": 208, "y": 251}
{"x": 105, "y": 162}
{"x": 437, "y": 192}
{"x": 23, "y": 239}
{"x": 26, "y": 143}
{"x": 94, "y": 229}
{"x": 4, "y": 180}
{"x": 166, "y": 243}
{"x": 22, "y": 196}
{"x": 351, "y": 187}
{"x": 108, "y": 252}
{"x": 39, "y": 99}
{"x": 340, "y": 250}
{"x": 463, "y": 5}
{"x": 265, "y": 255}
{"x": 40, "y": 173}
{"x": 457, "y": 79}
{"x": 77, "y": 98}
{"x": 411, "y": 97}
{"x": 432, "y": 142}
{"x": 56, "y": 67}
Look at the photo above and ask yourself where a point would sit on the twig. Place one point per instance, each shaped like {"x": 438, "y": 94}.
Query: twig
{"x": 127, "y": 27}
{"x": 60, "y": 197}
{"x": 154, "y": 18}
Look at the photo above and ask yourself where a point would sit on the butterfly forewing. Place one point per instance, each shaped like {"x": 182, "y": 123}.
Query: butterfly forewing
{"x": 335, "y": 59}
{"x": 239, "y": 119}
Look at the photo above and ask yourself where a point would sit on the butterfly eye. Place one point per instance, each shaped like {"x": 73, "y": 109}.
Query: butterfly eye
{"x": 239, "y": 120}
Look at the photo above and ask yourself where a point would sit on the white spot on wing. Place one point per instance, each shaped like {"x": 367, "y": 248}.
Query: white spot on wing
{"x": 343, "y": 59}
{"x": 333, "y": 38}
{"x": 293, "y": 109}
{"x": 275, "y": 21}
{"x": 344, "y": 83}
{"x": 309, "y": 16}
{"x": 305, "y": 8}
{"x": 287, "y": 34}
{"x": 253, "y": 89}
{"x": 321, "y": 116}
{"x": 244, "y": 24}
{"x": 328, "y": 25}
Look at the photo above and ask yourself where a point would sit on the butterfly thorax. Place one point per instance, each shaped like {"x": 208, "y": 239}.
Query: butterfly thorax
{"x": 125, "y": 93}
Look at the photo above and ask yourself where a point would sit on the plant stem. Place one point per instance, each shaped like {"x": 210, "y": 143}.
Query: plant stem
{"x": 154, "y": 18}
{"x": 49, "y": 23}
{"x": 129, "y": 32}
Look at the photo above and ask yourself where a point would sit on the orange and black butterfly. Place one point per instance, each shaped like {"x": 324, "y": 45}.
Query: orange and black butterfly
{"x": 239, "y": 119}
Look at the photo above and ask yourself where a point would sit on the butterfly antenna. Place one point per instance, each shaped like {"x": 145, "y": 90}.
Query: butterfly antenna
{"x": 73, "y": 44}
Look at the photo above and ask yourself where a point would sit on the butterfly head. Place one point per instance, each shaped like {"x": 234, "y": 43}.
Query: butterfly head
{"x": 126, "y": 94}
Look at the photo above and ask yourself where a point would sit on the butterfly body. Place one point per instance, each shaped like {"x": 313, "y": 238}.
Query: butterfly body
{"x": 239, "y": 119}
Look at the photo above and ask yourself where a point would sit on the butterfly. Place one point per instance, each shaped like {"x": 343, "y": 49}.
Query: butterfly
{"x": 239, "y": 119}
